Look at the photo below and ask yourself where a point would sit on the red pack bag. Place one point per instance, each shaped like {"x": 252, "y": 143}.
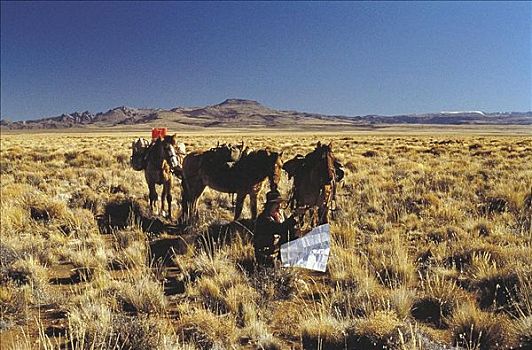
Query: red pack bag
{"x": 158, "y": 132}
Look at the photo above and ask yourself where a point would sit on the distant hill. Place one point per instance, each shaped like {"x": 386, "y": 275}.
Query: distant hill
{"x": 454, "y": 118}
{"x": 239, "y": 113}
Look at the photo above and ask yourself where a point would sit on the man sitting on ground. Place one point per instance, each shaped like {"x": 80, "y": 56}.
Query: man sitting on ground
{"x": 271, "y": 230}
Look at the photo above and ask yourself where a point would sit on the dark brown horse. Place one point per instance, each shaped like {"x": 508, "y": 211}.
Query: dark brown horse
{"x": 243, "y": 177}
{"x": 315, "y": 178}
{"x": 158, "y": 171}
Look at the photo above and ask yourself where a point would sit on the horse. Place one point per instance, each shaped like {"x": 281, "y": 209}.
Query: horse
{"x": 315, "y": 178}
{"x": 160, "y": 162}
{"x": 213, "y": 168}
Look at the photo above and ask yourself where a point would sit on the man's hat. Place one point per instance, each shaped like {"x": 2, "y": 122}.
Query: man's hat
{"x": 273, "y": 197}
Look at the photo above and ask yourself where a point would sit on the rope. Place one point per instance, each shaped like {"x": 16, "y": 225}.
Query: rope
{"x": 326, "y": 204}
{"x": 245, "y": 228}
{"x": 291, "y": 202}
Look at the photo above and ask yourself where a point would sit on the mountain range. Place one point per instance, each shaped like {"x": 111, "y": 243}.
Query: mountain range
{"x": 240, "y": 113}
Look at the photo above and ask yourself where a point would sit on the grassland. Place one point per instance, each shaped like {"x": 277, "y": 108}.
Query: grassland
{"x": 431, "y": 247}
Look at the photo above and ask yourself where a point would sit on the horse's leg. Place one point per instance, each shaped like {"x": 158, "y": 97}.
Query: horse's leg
{"x": 187, "y": 201}
{"x": 169, "y": 197}
{"x": 239, "y": 204}
{"x": 185, "y": 214}
{"x": 166, "y": 196}
{"x": 163, "y": 197}
{"x": 297, "y": 203}
{"x": 196, "y": 196}
{"x": 323, "y": 214}
{"x": 253, "y": 204}
{"x": 153, "y": 197}
{"x": 253, "y": 195}
{"x": 194, "y": 191}
{"x": 301, "y": 218}
{"x": 323, "y": 209}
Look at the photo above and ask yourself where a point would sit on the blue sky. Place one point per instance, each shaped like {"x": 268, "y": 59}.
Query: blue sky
{"x": 349, "y": 58}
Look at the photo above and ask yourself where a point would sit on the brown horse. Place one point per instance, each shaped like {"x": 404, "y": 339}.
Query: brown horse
{"x": 158, "y": 171}
{"x": 315, "y": 178}
{"x": 245, "y": 176}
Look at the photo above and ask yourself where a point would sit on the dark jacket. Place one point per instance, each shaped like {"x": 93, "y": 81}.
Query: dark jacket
{"x": 266, "y": 227}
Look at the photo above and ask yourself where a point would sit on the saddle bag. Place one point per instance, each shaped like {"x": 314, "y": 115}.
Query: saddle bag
{"x": 138, "y": 156}
{"x": 339, "y": 170}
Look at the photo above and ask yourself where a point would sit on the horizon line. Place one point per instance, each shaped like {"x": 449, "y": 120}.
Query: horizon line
{"x": 479, "y": 111}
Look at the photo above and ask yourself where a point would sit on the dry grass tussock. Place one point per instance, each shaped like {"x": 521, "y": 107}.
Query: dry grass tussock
{"x": 431, "y": 246}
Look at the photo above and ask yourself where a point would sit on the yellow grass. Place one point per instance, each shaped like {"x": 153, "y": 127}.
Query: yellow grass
{"x": 431, "y": 242}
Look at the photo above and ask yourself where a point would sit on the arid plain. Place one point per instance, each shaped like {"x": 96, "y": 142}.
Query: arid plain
{"x": 431, "y": 247}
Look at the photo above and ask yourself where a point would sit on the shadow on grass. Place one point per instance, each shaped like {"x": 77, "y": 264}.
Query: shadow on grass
{"x": 122, "y": 212}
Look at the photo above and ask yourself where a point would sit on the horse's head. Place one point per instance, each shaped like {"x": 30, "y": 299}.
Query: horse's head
{"x": 236, "y": 151}
{"x": 139, "y": 144}
{"x": 324, "y": 161}
{"x": 171, "y": 148}
{"x": 171, "y": 139}
{"x": 276, "y": 166}
{"x": 170, "y": 145}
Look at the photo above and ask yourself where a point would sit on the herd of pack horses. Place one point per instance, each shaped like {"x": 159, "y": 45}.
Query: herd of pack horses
{"x": 236, "y": 169}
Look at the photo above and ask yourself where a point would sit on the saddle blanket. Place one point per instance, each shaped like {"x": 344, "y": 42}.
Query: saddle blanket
{"x": 310, "y": 252}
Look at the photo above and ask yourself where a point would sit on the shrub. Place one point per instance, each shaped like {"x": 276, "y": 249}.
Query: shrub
{"x": 438, "y": 300}
{"x": 370, "y": 153}
{"x": 28, "y": 271}
{"x": 449, "y": 233}
{"x": 323, "y": 332}
{"x": 206, "y": 330}
{"x": 143, "y": 333}
{"x": 89, "y": 158}
{"x": 43, "y": 209}
{"x": 274, "y": 284}
{"x": 381, "y": 330}
{"x": 523, "y": 332}
{"x": 141, "y": 295}
{"x": 86, "y": 198}
{"x": 90, "y": 325}
{"x": 88, "y": 263}
{"x": 472, "y": 328}
{"x": 13, "y": 305}
{"x": 498, "y": 290}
